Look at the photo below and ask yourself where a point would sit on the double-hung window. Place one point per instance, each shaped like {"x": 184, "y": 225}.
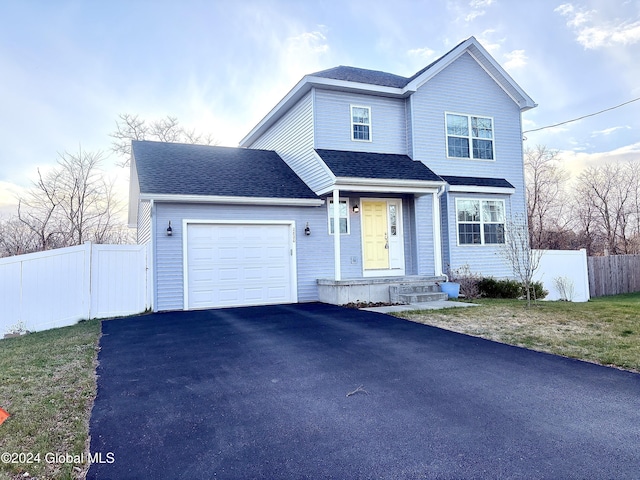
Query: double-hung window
{"x": 360, "y": 123}
{"x": 469, "y": 136}
{"x": 480, "y": 222}
{"x": 343, "y": 212}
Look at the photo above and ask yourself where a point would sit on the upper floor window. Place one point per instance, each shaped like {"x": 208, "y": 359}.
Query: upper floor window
{"x": 360, "y": 123}
{"x": 480, "y": 222}
{"x": 469, "y": 136}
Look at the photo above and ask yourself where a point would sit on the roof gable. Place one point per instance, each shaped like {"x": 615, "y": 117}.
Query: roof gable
{"x": 203, "y": 170}
{"x": 360, "y": 80}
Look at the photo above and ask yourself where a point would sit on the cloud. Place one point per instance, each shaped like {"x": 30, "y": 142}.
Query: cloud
{"x": 609, "y": 131}
{"x": 515, "y": 59}
{"x": 576, "y": 161}
{"x": 592, "y": 31}
{"x": 478, "y": 8}
{"x": 424, "y": 53}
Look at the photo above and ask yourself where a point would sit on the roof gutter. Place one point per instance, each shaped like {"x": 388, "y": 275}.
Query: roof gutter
{"x": 229, "y": 200}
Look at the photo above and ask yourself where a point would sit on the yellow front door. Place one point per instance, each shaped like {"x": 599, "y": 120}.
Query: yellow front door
{"x": 375, "y": 235}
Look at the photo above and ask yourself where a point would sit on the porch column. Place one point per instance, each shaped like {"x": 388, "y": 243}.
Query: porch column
{"x": 336, "y": 234}
{"x": 437, "y": 235}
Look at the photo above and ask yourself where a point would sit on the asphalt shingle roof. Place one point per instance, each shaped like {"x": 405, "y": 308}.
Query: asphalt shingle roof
{"x": 376, "y": 165}
{"x": 374, "y": 77}
{"x": 477, "y": 181}
{"x": 181, "y": 169}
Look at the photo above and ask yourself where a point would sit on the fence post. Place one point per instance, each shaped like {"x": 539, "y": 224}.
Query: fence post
{"x": 88, "y": 270}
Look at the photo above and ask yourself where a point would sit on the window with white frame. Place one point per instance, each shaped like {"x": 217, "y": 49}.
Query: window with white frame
{"x": 360, "y": 123}
{"x": 480, "y": 222}
{"x": 469, "y": 136}
{"x": 343, "y": 212}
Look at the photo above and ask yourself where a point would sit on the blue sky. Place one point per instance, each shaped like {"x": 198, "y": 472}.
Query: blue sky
{"x": 68, "y": 68}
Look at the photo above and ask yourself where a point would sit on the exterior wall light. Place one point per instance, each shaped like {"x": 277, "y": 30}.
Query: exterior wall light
{"x": 169, "y": 229}
{"x": 307, "y": 230}
{"x": 356, "y": 209}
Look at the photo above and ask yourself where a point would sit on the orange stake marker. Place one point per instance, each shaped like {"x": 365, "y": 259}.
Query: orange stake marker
{"x": 3, "y": 415}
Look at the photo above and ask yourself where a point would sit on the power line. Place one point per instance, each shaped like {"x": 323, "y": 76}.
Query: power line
{"x": 584, "y": 116}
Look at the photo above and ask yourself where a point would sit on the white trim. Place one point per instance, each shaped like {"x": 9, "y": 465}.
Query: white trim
{"x": 470, "y": 137}
{"x": 482, "y": 222}
{"x": 299, "y": 202}
{"x": 329, "y": 203}
{"x": 185, "y": 238}
{"x": 152, "y": 247}
{"x": 479, "y": 189}
{"x": 370, "y": 125}
{"x": 336, "y": 238}
{"x": 376, "y": 185}
{"x": 437, "y": 235}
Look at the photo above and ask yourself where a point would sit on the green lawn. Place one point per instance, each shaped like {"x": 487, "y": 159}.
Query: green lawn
{"x": 604, "y": 330}
{"x": 47, "y": 384}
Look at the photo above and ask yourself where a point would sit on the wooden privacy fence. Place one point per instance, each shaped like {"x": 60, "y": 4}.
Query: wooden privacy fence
{"x": 58, "y": 287}
{"x": 614, "y": 274}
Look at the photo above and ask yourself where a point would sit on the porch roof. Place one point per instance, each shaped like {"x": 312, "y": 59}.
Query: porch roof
{"x": 377, "y": 166}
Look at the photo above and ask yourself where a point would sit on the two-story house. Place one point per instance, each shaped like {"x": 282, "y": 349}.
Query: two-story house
{"x": 356, "y": 182}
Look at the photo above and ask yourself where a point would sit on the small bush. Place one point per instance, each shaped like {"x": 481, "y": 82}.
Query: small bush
{"x": 467, "y": 279}
{"x": 492, "y": 288}
{"x": 537, "y": 291}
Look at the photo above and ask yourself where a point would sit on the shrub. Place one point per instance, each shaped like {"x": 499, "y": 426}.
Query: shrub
{"x": 492, "y": 288}
{"x": 467, "y": 279}
{"x": 537, "y": 291}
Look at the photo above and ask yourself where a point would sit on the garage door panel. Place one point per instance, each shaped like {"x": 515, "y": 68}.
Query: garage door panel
{"x": 233, "y": 265}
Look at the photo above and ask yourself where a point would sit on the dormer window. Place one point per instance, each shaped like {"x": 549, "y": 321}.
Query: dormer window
{"x": 469, "y": 136}
{"x": 360, "y": 123}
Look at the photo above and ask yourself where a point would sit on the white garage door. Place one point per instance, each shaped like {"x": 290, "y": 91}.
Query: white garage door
{"x": 239, "y": 264}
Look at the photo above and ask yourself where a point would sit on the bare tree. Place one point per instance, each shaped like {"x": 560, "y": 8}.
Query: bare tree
{"x": 608, "y": 195}
{"x": 516, "y": 250}
{"x": 16, "y": 238}
{"x": 546, "y": 198}
{"x": 132, "y": 127}
{"x": 71, "y": 204}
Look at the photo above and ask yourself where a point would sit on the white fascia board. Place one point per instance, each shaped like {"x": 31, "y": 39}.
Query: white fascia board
{"x": 325, "y": 167}
{"x": 295, "y": 202}
{"x": 305, "y": 85}
{"x": 478, "y": 189}
{"x": 376, "y": 185}
{"x": 525, "y": 103}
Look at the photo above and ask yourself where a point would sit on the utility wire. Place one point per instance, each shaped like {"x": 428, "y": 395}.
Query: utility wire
{"x": 584, "y": 116}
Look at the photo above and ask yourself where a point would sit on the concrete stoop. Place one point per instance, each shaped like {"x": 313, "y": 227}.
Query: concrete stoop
{"x": 397, "y": 290}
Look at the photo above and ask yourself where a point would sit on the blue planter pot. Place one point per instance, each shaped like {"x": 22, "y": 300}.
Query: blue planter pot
{"x": 451, "y": 289}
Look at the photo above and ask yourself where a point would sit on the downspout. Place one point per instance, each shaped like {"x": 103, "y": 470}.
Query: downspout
{"x": 437, "y": 233}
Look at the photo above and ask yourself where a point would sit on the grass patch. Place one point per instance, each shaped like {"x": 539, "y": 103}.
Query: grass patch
{"x": 604, "y": 330}
{"x": 47, "y": 384}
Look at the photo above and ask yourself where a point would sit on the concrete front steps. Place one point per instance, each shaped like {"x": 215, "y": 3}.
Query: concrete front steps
{"x": 406, "y": 294}
{"x": 396, "y": 290}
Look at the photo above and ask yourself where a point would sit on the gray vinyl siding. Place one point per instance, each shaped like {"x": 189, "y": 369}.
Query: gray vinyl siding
{"x": 292, "y": 138}
{"x": 144, "y": 222}
{"x": 487, "y": 260}
{"x": 314, "y": 253}
{"x": 465, "y": 87}
{"x": 333, "y": 122}
{"x": 424, "y": 235}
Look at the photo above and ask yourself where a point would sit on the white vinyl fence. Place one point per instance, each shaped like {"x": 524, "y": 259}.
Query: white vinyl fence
{"x": 566, "y": 269}
{"x": 58, "y": 287}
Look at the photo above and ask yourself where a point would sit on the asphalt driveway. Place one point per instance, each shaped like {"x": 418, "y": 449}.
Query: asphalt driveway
{"x": 261, "y": 392}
